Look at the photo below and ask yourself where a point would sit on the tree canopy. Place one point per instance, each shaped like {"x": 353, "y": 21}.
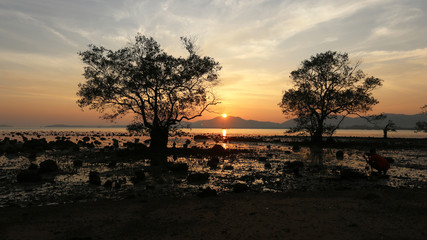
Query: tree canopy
{"x": 142, "y": 79}
{"x": 327, "y": 86}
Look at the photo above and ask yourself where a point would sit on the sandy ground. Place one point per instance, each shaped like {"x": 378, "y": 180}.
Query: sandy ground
{"x": 361, "y": 214}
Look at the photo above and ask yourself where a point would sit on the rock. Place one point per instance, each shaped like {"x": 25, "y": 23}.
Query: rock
{"x": 28, "y": 176}
{"x": 207, "y": 192}
{"x": 294, "y": 164}
{"x": 178, "y": 167}
{"x": 77, "y": 163}
{"x": 349, "y": 173}
{"x": 240, "y": 187}
{"x": 218, "y": 149}
{"x": 115, "y": 143}
{"x": 36, "y": 145}
{"x": 390, "y": 160}
{"x": 108, "y": 184}
{"x": 296, "y": 148}
{"x": 139, "y": 174}
{"x": 228, "y": 167}
{"x": 213, "y": 162}
{"x": 198, "y": 177}
{"x": 33, "y": 166}
{"x": 267, "y": 165}
{"x": 48, "y": 166}
{"x": 340, "y": 155}
{"x": 94, "y": 178}
{"x": 297, "y": 172}
{"x": 262, "y": 159}
{"x": 112, "y": 164}
{"x": 288, "y": 152}
{"x": 200, "y": 137}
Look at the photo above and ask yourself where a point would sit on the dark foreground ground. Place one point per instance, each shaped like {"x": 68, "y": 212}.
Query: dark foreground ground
{"x": 350, "y": 214}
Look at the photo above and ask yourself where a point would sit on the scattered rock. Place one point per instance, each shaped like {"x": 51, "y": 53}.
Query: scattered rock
{"x": 288, "y": 152}
{"x": 267, "y": 165}
{"x": 94, "y": 178}
{"x": 262, "y": 159}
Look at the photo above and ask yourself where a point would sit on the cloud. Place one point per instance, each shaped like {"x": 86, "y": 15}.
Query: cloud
{"x": 418, "y": 55}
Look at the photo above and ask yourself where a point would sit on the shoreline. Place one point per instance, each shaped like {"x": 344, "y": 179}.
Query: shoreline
{"x": 348, "y": 214}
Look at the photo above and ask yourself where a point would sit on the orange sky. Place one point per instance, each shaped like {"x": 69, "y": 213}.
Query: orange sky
{"x": 258, "y": 43}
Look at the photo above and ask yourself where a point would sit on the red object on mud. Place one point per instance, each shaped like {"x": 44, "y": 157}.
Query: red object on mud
{"x": 378, "y": 162}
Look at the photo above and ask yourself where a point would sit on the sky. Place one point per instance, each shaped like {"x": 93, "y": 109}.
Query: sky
{"x": 257, "y": 42}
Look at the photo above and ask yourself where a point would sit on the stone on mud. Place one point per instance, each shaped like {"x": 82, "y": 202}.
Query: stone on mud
{"x": 48, "y": 166}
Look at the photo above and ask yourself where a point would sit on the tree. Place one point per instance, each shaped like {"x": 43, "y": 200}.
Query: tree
{"x": 389, "y": 126}
{"x": 160, "y": 90}
{"x": 421, "y": 126}
{"x": 327, "y": 86}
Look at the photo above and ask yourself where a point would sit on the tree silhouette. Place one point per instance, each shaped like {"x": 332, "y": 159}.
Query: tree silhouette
{"x": 389, "y": 126}
{"x": 142, "y": 79}
{"x": 325, "y": 87}
{"x": 421, "y": 126}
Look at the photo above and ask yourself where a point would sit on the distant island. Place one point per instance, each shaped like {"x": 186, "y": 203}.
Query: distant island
{"x": 402, "y": 121}
{"x": 84, "y": 126}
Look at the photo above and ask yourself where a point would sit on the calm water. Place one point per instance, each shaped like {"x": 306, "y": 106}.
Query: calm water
{"x": 238, "y": 131}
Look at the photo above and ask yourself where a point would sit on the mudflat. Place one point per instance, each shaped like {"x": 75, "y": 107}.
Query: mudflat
{"x": 346, "y": 214}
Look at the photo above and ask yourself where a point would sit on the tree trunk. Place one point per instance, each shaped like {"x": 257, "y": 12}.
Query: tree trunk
{"x": 385, "y": 132}
{"x": 159, "y": 139}
{"x": 316, "y": 138}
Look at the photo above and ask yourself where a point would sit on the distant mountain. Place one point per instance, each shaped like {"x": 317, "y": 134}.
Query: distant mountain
{"x": 402, "y": 121}
{"x": 84, "y": 126}
{"x": 5, "y": 126}
{"x": 232, "y": 122}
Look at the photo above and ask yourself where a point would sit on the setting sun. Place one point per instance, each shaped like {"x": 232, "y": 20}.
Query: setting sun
{"x": 224, "y": 115}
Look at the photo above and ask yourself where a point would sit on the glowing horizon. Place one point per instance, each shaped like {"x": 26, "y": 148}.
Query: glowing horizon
{"x": 258, "y": 43}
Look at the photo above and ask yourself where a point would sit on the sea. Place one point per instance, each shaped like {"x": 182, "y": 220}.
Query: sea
{"x": 237, "y": 131}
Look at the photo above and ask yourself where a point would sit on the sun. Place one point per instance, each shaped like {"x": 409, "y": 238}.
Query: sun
{"x": 224, "y": 115}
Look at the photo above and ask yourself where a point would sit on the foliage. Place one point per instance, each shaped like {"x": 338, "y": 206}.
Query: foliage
{"x": 327, "y": 86}
{"x": 160, "y": 90}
